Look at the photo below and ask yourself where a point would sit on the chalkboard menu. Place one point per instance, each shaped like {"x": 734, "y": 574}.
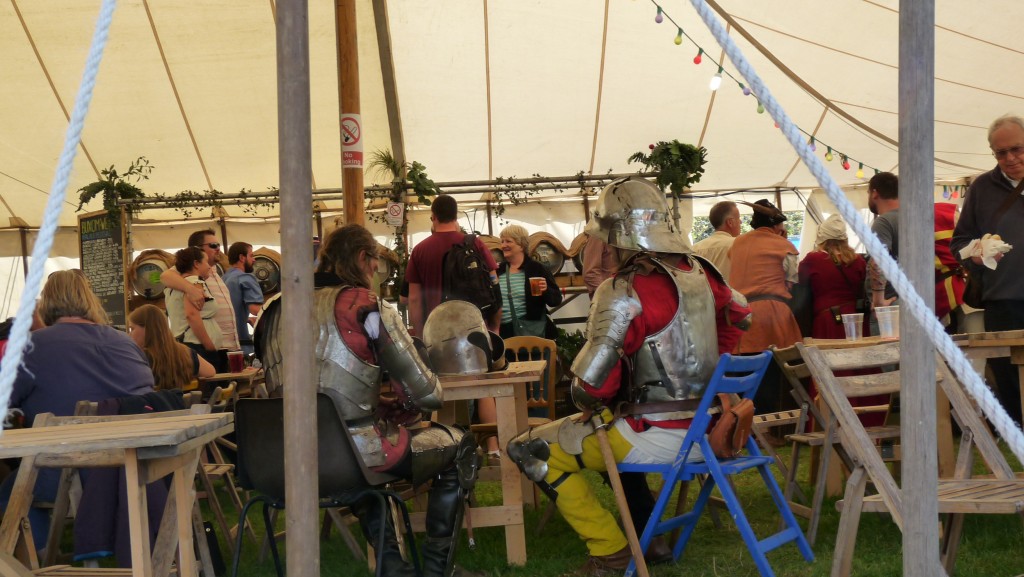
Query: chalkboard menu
{"x": 101, "y": 246}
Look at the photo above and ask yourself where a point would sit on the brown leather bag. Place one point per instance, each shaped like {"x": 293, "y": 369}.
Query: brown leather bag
{"x": 729, "y": 435}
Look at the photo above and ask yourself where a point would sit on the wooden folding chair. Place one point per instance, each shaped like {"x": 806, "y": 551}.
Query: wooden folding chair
{"x": 797, "y": 376}
{"x": 1002, "y": 493}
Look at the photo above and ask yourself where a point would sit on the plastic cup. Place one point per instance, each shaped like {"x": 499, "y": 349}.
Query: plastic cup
{"x": 853, "y": 324}
{"x": 236, "y": 361}
{"x": 888, "y": 321}
{"x": 535, "y": 289}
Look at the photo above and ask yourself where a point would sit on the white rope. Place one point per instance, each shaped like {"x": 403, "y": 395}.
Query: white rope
{"x": 909, "y": 298}
{"x": 19, "y": 338}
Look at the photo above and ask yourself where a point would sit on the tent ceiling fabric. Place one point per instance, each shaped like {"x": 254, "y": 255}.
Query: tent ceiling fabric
{"x": 192, "y": 87}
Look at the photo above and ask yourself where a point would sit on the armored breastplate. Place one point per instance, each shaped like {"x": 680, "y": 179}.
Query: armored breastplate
{"x": 677, "y": 362}
{"x": 353, "y": 383}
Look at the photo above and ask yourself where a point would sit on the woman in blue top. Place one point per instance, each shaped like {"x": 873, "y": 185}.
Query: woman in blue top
{"x": 520, "y": 307}
{"x": 77, "y": 357}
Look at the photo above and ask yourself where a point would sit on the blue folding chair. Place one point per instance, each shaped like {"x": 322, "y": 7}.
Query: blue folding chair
{"x": 742, "y": 376}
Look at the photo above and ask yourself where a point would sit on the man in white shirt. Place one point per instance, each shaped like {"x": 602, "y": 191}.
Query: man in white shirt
{"x": 725, "y": 217}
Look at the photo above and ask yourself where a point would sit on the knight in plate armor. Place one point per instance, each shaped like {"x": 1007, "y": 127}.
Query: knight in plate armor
{"x": 654, "y": 335}
{"x": 360, "y": 341}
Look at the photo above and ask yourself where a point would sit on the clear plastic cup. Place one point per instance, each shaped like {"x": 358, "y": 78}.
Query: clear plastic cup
{"x": 853, "y": 324}
{"x": 888, "y": 321}
{"x": 535, "y": 283}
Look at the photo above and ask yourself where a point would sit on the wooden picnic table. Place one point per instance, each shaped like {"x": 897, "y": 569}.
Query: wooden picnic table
{"x": 148, "y": 449}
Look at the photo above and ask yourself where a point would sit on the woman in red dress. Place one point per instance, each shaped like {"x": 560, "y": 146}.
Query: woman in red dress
{"x": 836, "y": 275}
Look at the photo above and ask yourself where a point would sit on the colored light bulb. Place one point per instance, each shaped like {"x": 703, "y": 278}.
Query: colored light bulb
{"x": 716, "y": 80}
{"x": 760, "y": 107}
{"x": 828, "y": 155}
{"x": 679, "y": 37}
{"x": 811, "y": 144}
{"x": 746, "y": 90}
{"x": 697, "y": 58}
{"x": 659, "y": 18}
{"x": 846, "y": 163}
{"x": 860, "y": 170}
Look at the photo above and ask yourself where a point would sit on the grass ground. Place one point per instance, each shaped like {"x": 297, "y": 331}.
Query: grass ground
{"x": 991, "y": 545}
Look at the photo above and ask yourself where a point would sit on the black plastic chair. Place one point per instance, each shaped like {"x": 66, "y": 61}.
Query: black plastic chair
{"x": 343, "y": 479}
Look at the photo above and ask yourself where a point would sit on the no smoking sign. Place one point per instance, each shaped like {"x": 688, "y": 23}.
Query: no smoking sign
{"x": 394, "y": 213}
{"x": 351, "y": 141}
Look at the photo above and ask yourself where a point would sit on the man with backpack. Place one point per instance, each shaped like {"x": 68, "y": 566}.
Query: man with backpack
{"x": 450, "y": 265}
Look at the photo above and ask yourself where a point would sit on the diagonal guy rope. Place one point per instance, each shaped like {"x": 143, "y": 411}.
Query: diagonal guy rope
{"x": 19, "y": 339}
{"x": 909, "y": 297}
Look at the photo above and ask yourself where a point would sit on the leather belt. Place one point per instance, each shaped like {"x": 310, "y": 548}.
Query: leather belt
{"x": 756, "y": 298}
{"x": 639, "y": 409}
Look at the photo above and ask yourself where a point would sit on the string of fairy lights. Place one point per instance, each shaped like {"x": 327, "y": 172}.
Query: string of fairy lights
{"x": 716, "y": 82}
{"x": 954, "y": 191}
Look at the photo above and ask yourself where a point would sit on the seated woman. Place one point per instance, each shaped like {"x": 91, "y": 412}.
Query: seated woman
{"x": 524, "y": 313}
{"x": 76, "y": 357}
{"x": 174, "y": 365}
{"x": 195, "y": 327}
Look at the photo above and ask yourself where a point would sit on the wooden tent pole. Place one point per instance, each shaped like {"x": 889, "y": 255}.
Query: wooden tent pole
{"x": 917, "y": 255}
{"x": 387, "y": 72}
{"x": 348, "y": 92}
{"x": 490, "y": 218}
{"x": 295, "y": 150}
{"x": 24, "y": 250}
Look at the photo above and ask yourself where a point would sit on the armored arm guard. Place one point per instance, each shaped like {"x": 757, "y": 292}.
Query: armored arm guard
{"x": 613, "y": 309}
{"x": 397, "y": 351}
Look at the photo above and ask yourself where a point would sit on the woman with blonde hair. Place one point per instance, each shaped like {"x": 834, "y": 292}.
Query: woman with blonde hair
{"x": 174, "y": 365}
{"x": 835, "y": 276}
{"x": 522, "y": 312}
{"x": 76, "y": 357}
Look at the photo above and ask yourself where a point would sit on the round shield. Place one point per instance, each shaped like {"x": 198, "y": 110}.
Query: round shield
{"x": 267, "y": 273}
{"x": 546, "y": 254}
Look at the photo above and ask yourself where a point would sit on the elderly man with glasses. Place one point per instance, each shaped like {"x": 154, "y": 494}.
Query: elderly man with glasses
{"x": 225, "y": 316}
{"x": 994, "y": 205}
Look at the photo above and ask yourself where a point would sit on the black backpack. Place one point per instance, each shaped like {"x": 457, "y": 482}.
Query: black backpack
{"x": 465, "y": 277}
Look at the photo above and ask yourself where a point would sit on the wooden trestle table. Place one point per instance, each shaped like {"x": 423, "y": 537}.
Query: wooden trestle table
{"x": 148, "y": 449}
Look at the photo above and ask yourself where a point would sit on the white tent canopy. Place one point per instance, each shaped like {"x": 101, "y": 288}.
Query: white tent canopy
{"x": 498, "y": 88}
